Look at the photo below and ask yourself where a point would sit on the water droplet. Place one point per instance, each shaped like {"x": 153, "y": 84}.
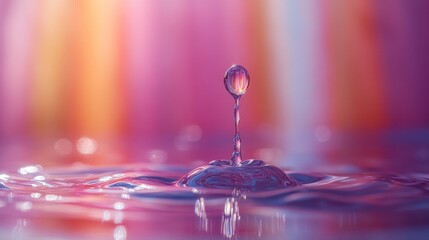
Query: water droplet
{"x": 236, "y": 80}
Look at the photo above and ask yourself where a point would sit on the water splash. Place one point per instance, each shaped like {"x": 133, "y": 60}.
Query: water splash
{"x": 252, "y": 175}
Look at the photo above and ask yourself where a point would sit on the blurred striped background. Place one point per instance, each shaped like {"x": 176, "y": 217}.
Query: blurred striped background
{"x": 110, "y": 82}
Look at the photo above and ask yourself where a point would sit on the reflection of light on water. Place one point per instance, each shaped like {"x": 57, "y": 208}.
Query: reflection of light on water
{"x": 35, "y": 195}
{"x": 29, "y": 169}
{"x": 106, "y": 216}
{"x": 24, "y": 206}
{"x": 144, "y": 186}
{"x": 63, "y": 146}
{"x": 119, "y": 206}
{"x": 200, "y": 211}
{"x": 105, "y": 178}
{"x": 39, "y": 178}
{"x": 86, "y": 145}
{"x": 120, "y": 233}
{"x": 118, "y": 175}
{"x": 52, "y": 197}
{"x": 118, "y": 217}
{"x": 18, "y": 230}
{"x": 230, "y": 218}
{"x": 4, "y": 177}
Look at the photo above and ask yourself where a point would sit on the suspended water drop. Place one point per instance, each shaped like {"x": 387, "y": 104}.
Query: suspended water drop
{"x": 236, "y": 80}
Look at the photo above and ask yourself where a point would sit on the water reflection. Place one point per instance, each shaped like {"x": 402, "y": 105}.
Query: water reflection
{"x": 200, "y": 211}
{"x": 39, "y": 178}
{"x": 120, "y": 233}
{"x": 119, "y": 206}
{"x": 4, "y": 177}
{"x": 35, "y": 195}
{"x": 18, "y": 231}
{"x": 106, "y": 216}
{"x": 118, "y": 217}
{"x": 29, "y": 169}
{"x": 230, "y": 218}
{"x": 24, "y": 206}
{"x": 125, "y": 195}
{"x": 52, "y": 197}
{"x": 226, "y": 217}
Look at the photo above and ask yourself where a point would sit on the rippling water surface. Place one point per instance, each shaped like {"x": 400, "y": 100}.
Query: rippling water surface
{"x": 144, "y": 202}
